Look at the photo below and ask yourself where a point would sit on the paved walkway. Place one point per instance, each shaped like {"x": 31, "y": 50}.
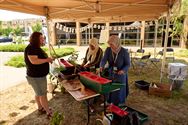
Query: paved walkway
{"x": 10, "y": 76}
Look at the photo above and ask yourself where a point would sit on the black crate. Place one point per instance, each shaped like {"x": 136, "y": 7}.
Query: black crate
{"x": 141, "y": 84}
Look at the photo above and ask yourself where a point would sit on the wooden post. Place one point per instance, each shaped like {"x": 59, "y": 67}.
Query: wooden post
{"x": 155, "y": 42}
{"x": 78, "y": 42}
{"x": 48, "y": 29}
{"x": 52, "y": 33}
{"x": 108, "y": 29}
{"x": 92, "y": 31}
{"x": 142, "y": 34}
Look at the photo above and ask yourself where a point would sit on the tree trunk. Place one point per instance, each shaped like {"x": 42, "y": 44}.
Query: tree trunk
{"x": 185, "y": 32}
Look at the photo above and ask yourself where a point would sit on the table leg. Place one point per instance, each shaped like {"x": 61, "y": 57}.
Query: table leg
{"x": 88, "y": 111}
{"x": 105, "y": 109}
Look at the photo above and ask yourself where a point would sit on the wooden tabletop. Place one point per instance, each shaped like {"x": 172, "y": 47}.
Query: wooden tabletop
{"x": 77, "y": 93}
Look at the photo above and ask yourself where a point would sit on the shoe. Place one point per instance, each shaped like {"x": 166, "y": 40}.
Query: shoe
{"x": 106, "y": 103}
{"x": 50, "y": 114}
{"x": 41, "y": 111}
{"x": 121, "y": 105}
{"x": 92, "y": 109}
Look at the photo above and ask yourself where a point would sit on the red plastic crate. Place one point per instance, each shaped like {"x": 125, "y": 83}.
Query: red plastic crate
{"x": 93, "y": 77}
{"x": 118, "y": 111}
{"x": 66, "y": 63}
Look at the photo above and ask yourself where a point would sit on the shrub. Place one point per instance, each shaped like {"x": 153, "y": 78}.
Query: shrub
{"x": 16, "y": 61}
{"x": 63, "y": 52}
{"x": 182, "y": 53}
{"x": 12, "y": 48}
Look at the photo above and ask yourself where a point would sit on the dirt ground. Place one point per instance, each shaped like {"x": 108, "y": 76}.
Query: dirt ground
{"x": 19, "y": 108}
{"x": 17, "y": 105}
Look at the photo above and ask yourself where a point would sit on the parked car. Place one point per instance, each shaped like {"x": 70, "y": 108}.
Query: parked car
{"x": 5, "y": 39}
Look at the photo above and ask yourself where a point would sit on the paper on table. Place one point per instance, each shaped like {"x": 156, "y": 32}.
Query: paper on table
{"x": 78, "y": 94}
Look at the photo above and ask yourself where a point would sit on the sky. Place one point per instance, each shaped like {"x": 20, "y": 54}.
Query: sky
{"x": 10, "y": 15}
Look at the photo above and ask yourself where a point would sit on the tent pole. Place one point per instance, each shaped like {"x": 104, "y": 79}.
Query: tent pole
{"x": 165, "y": 44}
{"x": 155, "y": 42}
{"x": 89, "y": 30}
{"x": 108, "y": 29}
{"x": 78, "y": 34}
{"x": 142, "y": 39}
{"x": 92, "y": 30}
{"x": 48, "y": 30}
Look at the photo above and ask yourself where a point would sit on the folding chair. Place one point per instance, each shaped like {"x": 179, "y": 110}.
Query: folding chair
{"x": 169, "y": 53}
{"x": 156, "y": 59}
{"x": 142, "y": 62}
{"x": 138, "y": 53}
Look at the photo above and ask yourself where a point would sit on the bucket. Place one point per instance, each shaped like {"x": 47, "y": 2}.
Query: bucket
{"x": 176, "y": 84}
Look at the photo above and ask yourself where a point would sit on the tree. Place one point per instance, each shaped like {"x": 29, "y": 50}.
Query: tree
{"x": 1, "y": 28}
{"x": 17, "y": 31}
{"x": 7, "y": 31}
{"x": 37, "y": 27}
{"x": 179, "y": 20}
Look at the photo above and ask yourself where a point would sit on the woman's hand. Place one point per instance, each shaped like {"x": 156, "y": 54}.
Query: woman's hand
{"x": 120, "y": 72}
{"x": 85, "y": 66}
{"x": 50, "y": 60}
{"x": 101, "y": 69}
{"x": 98, "y": 71}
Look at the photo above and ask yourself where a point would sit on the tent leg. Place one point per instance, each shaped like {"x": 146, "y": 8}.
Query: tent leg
{"x": 165, "y": 45}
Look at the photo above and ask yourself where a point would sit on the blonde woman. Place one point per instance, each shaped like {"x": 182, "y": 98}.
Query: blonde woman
{"x": 93, "y": 55}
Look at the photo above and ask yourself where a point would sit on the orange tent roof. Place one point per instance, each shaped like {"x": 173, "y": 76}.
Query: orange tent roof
{"x": 91, "y": 10}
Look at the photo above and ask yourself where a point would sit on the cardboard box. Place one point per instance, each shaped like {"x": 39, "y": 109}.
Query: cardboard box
{"x": 160, "y": 89}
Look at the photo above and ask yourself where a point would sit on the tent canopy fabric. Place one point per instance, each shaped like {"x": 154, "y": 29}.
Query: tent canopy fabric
{"x": 91, "y": 11}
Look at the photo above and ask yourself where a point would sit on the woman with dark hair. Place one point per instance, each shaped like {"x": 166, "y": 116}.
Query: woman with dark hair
{"x": 37, "y": 65}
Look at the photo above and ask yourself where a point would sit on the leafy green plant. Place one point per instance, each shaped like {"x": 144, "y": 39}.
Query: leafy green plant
{"x": 57, "y": 119}
{"x": 17, "y": 31}
{"x": 12, "y": 48}
{"x": 16, "y": 61}
{"x": 58, "y": 69}
{"x": 63, "y": 52}
{"x": 21, "y": 47}
{"x": 182, "y": 53}
{"x": 178, "y": 19}
{"x": 7, "y": 31}
{"x": 37, "y": 27}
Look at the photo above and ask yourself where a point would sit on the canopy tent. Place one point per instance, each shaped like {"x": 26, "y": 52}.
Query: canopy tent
{"x": 91, "y": 10}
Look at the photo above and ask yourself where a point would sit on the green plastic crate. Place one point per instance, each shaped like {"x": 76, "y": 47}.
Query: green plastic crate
{"x": 142, "y": 117}
{"x": 97, "y": 83}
